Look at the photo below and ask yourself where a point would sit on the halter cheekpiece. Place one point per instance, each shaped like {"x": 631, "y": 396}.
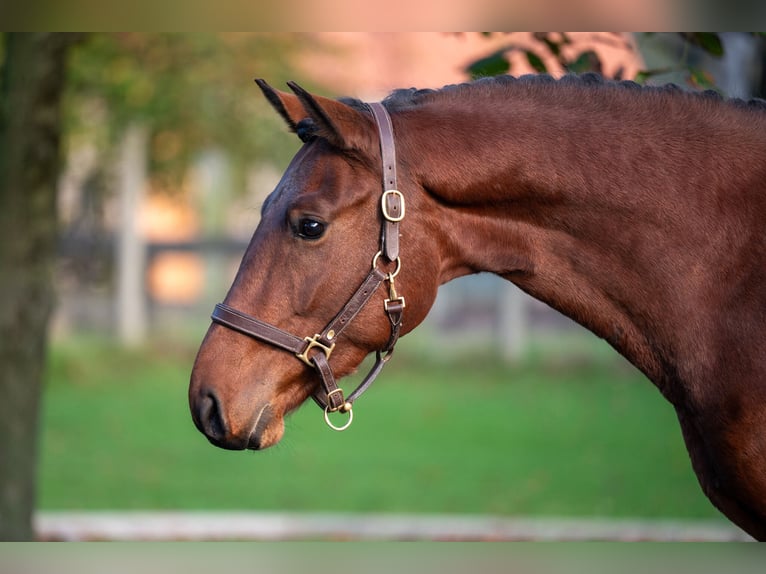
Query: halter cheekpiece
{"x": 315, "y": 351}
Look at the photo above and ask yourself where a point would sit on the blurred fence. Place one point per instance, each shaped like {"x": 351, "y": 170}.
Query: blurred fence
{"x": 276, "y": 526}
{"x": 480, "y": 310}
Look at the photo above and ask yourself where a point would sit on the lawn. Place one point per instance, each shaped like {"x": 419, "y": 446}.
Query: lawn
{"x": 584, "y": 438}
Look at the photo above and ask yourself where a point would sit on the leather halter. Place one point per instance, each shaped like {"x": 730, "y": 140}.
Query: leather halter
{"x": 315, "y": 351}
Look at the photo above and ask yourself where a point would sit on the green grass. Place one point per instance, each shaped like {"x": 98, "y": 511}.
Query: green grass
{"x": 462, "y": 436}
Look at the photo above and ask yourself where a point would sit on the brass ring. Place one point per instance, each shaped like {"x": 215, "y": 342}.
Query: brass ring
{"x": 398, "y": 264}
{"x": 340, "y": 428}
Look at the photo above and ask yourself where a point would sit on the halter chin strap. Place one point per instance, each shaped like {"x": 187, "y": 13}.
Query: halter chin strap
{"x": 315, "y": 351}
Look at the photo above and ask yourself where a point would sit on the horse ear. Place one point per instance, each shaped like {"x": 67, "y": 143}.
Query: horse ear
{"x": 341, "y": 125}
{"x": 287, "y": 105}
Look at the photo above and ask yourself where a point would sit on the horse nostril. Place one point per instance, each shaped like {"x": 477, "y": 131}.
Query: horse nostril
{"x": 211, "y": 417}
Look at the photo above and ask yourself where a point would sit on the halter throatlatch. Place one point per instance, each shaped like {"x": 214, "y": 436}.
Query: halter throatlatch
{"x": 316, "y": 351}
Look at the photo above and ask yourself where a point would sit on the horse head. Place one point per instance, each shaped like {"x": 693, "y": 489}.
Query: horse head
{"x": 316, "y": 291}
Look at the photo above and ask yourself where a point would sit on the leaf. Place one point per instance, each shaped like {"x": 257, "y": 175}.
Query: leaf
{"x": 587, "y": 61}
{"x": 708, "y": 41}
{"x": 553, "y": 46}
{"x": 643, "y": 75}
{"x": 493, "y": 65}
{"x": 702, "y": 79}
{"x": 535, "y": 61}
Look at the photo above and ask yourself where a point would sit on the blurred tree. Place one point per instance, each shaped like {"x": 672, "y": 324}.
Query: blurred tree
{"x": 191, "y": 90}
{"x": 30, "y": 94}
{"x": 187, "y": 88}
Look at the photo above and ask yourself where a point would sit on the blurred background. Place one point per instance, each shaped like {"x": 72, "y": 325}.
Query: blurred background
{"x": 168, "y": 150}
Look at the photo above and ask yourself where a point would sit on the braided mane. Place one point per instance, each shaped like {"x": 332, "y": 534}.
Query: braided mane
{"x": 408, "y": 98}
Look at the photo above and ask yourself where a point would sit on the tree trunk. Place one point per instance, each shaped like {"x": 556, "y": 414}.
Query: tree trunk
{"x": 30, "y": 95}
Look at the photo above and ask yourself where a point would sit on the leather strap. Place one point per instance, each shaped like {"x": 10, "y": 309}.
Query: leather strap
{"x": 381, "y": 359}
{"x": 331, "y": 397}
{"x": 358, "y": 300}
{"x": 392, "y": 201}
{"x": 247, "y": 325}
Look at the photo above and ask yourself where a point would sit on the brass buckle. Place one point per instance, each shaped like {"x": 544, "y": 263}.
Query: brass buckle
{"x": 314, "y": 342}
{"x": 342, "y": 407}
{"x": 386, "y": 214}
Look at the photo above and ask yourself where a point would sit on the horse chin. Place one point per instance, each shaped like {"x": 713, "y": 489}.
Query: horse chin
{"x": 268, "y": 429}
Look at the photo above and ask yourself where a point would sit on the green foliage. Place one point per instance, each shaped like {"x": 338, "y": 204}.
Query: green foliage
{"x": 461, "y": 436}
{"x": 701, "y": 79}
{"x": 536, "y": 62}
{"x": 193, "y": 90}
{"x": 587, "y": 61}
{"x": 493, "y": 65}
{"x": 710, "y": 42}
{"x": 551, "y": 44}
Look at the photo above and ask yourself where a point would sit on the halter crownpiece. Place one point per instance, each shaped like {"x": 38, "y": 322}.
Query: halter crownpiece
{"x": 392, "y": 201}
{"x": 315, "y": 351}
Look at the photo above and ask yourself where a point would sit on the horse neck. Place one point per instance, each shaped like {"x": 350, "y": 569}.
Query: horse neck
{"x": 590, "y": 205}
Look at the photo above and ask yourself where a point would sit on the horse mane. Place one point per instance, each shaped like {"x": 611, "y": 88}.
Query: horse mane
{"x": 408, "y": 98}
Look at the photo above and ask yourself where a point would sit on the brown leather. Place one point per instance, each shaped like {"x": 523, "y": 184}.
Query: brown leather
{"x": 394, "y": 205}
{"x": 358, "y": 300}
{"x": 247, "y": 325}
{"x": 332, "y": 397}
{"x": 329, "y": 396}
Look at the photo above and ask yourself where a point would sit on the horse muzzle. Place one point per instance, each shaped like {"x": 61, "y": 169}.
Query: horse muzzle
{"x": 234, "y": 430}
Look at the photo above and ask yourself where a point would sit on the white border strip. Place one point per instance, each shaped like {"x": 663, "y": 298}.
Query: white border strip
{"x": 264, "y": 526}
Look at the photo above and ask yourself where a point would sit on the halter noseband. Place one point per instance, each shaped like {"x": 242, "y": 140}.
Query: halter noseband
{"x": 315, "y": 351}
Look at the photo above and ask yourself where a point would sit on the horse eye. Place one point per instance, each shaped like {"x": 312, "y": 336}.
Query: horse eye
{"x": 310, "y": 228}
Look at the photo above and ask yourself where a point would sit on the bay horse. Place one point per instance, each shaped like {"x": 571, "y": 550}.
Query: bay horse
{"x": 637, "y": 211}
